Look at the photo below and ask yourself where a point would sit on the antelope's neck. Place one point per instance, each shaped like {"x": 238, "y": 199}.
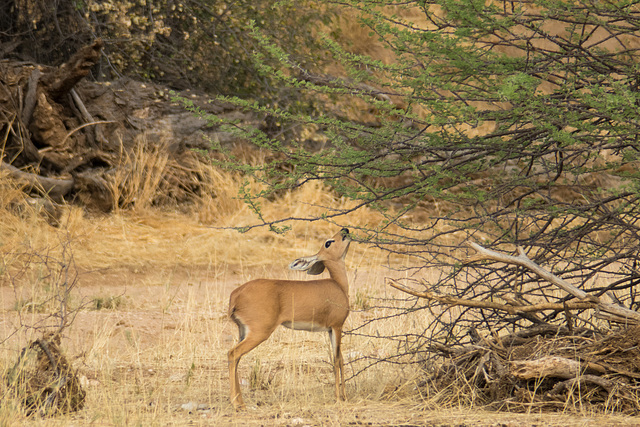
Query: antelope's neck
{"x": 338, "y": 272}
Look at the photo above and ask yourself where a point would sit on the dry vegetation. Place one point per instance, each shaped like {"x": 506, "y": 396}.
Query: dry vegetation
{"x": 147, "y": 291}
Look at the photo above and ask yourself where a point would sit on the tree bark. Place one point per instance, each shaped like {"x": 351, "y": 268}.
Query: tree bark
{"x": 59, "y": 81}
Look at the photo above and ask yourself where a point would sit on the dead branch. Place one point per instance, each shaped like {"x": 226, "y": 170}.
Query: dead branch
{"x": 582, "y": 380}
{"x": 524, "y": 261}
{"x": 88, "y": 118}
{"x": 612, "y": 312}
{"x": 99, "y": 122}
{"x": 552, "y": 366}
{"x": 30, "y": 98}
{"x": 55, "y": 188}
{"x": 509, "y": 307}
{"x": 59, "y": 81}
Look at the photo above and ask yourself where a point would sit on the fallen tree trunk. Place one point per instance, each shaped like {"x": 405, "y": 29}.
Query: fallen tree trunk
{"x": 551, "y": 366}
{"x": 61, "y": 80}
{"x": 56, "y": 188}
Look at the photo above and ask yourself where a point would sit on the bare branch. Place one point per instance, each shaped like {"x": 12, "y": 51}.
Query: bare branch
{"x": 56, "y": 188}
{"x": 509, "y": 307}
{"x": 613, "y": 312}
{"x": 524, "y": 261}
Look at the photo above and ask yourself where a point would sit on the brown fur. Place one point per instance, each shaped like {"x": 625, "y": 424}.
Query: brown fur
{"x": 258, "y": 307}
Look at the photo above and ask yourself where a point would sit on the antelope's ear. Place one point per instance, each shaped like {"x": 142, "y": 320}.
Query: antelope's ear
{"x": 310, "y": 264}
{"x": 316, "y": 268}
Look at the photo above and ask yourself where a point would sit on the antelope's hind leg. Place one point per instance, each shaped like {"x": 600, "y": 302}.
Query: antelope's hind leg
{"x": 249, "y": 340}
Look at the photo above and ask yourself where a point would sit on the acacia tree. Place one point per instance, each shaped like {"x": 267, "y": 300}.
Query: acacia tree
{"x": 506, "y": 123}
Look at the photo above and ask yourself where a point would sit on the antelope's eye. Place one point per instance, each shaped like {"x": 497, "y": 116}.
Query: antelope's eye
{"x": 328, "y": 243}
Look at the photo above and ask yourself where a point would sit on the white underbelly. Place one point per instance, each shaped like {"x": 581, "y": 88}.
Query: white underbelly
{"x": 305, "y": 326}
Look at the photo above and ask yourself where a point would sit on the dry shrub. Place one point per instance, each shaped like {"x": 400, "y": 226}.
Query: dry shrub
{"x": 44, "y": 381}
{"x": 12, "y": 193}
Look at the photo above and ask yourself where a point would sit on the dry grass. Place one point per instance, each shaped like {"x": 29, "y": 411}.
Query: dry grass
{"x": 136, "y": 182}
{"x": 151, "y": 340}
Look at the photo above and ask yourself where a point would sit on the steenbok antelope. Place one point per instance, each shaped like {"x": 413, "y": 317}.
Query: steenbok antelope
{"x": 259, "y": 306}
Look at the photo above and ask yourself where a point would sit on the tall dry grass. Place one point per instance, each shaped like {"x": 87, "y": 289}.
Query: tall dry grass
{"x": 135, "y": 183}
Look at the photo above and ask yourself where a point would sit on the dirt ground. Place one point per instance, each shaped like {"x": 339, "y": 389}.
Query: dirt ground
{"x": 151, "y": 345}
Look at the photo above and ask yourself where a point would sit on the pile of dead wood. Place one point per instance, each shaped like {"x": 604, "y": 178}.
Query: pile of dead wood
{"x": 44, "y": 381}
{"x": 545, "y": 366}
{"x": 63, "y": 135}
